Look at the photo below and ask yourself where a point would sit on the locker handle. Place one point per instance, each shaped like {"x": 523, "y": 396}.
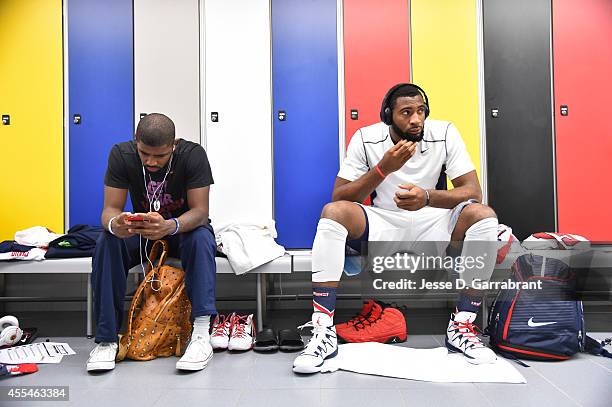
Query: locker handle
{"x": 354, "y": 114}
{"x": 564, "y": 110}
{"x": 6, "y": 119}
{"x": 282, "y": 115}
{"x": 76, "y": 118}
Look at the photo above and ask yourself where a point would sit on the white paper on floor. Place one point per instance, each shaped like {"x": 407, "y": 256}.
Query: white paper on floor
{"x": 430, "y": 365}
{"x": 41, "y": 352}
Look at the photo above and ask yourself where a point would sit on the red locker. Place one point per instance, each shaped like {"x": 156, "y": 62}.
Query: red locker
{"x": 582, "y": 57}
{"x": 376, "y": 56}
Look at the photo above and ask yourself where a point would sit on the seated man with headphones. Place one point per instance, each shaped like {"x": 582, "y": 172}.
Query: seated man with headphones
{"x": 168, "y": 180}
{"x": 398, "y": 162}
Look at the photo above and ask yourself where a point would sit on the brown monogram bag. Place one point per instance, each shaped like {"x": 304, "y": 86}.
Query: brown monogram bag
{"x": 159, "y": 318}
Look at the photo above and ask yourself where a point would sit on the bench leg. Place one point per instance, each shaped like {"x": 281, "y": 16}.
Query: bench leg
{"x": 261, "y": 300}
{"x": 264, "y": 298}
{"x": 2, "y": 292}
{"x": 89, "y": 308}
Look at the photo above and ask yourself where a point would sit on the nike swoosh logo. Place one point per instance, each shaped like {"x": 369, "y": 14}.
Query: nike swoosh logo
{"x": 536, "y": 324}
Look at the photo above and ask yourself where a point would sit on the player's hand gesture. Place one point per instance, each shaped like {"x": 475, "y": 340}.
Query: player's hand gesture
{"x": 396, "y": 156}
{"x": 410, "y": 197}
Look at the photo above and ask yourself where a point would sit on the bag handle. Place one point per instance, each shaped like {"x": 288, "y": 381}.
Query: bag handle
{"x": 155, "y": 251}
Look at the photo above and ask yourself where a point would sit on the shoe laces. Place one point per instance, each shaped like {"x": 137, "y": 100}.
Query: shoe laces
{"x": 319, "y": 336}
{"x": 308, "y": 324}
{"x": 101, "y": 347}
{"x": 357, "y": 318}
{"x": 469, "y": 331}
{"x": 239, "y": 324}
{"x": 196, "y": 347}
{"x": 197, "y": 340}
{"x": 367, "y": 321}
{"x": 222, "y": 326}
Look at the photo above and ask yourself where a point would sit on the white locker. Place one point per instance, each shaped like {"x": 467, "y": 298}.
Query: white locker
{"x": 238, "y": 108}
{"x": 166, "y": 63}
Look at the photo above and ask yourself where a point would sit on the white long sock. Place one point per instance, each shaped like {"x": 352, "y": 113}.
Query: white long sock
{"x": 328, "y": 251}
{"x": 201, "y": 325}
{"x": 480, "y": 243}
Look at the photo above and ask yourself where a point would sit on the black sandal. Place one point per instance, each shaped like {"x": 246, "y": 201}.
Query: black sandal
{"x": 265, "y": 341}
{"x": 290, "y": 340}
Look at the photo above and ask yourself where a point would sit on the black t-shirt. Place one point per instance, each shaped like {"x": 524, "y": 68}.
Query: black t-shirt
{"x": 190, "y": 169}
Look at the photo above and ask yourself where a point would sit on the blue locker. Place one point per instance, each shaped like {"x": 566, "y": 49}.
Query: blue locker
{"x": 101, "y": 92}
{"x": 305, "y": 90}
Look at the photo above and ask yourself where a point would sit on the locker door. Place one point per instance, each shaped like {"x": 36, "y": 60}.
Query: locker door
{"x": 101, "y": 91}
{"x": 445, "y": 63}
{"x": 31, "y": 96}
{"x": 518, "y": 114}
{"x": 583, "y": 62}
{"x": 238, "y": 109}
{"x": 376, "y": 57}
{"x": 305, "y": 90}
{"x": 166, "y": 63}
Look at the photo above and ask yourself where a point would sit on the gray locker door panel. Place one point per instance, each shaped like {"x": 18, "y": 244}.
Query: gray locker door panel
{"x": 520, "y": 157}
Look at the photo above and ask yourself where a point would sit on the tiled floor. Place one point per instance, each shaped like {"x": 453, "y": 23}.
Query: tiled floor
{"x": 252, "y": 379}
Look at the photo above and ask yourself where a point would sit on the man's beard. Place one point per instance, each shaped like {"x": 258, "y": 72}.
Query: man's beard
{"x": 408, "y": 136}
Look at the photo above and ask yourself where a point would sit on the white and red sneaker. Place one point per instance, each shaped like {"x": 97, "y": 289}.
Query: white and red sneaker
{"x": 220, "y": 335}
{"x": 323, "y": 345}
{"x": 242, "y": 332}
{"x": 461, "y": 337}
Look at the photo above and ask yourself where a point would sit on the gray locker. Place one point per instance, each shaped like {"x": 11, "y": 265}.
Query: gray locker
{"x": 519, "y": 126}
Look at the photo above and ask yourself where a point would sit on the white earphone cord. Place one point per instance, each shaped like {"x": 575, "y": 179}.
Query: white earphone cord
{"x": 151, "y": 199}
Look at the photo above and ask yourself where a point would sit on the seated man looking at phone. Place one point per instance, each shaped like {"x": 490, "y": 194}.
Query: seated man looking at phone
{"x": 168, "y": 180}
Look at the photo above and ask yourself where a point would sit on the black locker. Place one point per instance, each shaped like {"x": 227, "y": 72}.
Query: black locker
{"x": 520, "y": 159}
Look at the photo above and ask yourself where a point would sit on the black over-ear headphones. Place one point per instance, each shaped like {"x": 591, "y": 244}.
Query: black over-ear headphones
{"x": 386, "y": 112}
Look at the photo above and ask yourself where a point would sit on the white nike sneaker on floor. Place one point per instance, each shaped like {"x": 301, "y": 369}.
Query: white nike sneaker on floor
{"x": 199, "y": 352}
{"x": 323, "y": 345}
{"x": 220, "y": 335}
{"x": 102, "y": 357}
{"x": 242, "y": 333}
{"x": 461, "y": 337}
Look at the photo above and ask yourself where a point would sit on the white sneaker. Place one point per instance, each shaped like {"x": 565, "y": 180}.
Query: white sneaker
{"x": 199, "y": 352}
{"x": 242, "y": 332}
{"x": 461, "y": 337}
{"x": 220, "y": 336}
{"x": 323, "y": 345}
{"x": 102, "y": 357}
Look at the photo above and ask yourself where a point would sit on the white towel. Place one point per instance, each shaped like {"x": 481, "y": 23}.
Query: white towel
{"x": 248, "y": 245}
{"x": 36, "y": 236}
{"x": 430, "y": 365}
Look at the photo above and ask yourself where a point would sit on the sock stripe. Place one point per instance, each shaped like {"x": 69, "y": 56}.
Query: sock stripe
{"x": 320, "y": 308}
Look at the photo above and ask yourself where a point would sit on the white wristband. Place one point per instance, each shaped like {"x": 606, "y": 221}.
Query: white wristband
{"x": 110, "y": 228}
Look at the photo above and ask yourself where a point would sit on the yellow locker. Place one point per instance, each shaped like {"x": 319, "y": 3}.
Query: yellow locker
{"x": 31, "y": 92}
{"x": 445, "y": 63}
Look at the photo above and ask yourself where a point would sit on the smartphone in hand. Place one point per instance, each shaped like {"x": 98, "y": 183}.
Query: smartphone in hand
{"x": 135, "y": 218}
